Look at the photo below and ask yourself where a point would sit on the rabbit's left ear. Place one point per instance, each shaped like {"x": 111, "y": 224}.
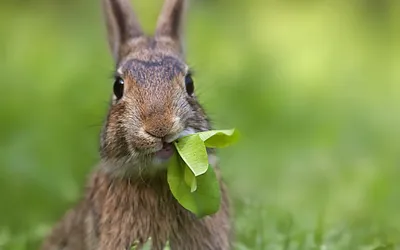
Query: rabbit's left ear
{"x": 170, "y": 22}
{"x": 122, "y": 24}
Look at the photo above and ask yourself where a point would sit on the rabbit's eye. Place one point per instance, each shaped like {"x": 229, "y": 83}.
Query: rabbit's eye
{"x": 118, "y": 87}
{"x": 189, "y": 84}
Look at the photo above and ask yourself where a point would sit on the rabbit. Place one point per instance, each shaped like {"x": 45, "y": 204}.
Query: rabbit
{"x": 127, "y": 199}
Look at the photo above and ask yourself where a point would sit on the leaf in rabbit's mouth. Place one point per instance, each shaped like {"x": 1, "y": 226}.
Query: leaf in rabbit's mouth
{"x": 191, "y": 179}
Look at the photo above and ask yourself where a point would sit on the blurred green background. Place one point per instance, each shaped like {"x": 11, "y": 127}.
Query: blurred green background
{"x": 312, "y": 85}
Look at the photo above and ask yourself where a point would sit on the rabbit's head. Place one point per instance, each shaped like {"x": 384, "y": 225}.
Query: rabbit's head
{"x": 153, "y": 93}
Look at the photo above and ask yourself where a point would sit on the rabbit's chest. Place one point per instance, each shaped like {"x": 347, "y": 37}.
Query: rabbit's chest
{"x": 135, "y": 212}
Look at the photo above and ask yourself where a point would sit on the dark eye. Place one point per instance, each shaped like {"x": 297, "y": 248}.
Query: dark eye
{"x": 118, "y": 87}
{"x": 189, "y": 84}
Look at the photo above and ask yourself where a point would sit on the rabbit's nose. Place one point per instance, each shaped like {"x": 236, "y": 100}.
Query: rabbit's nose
{"x": 159, "y": 132}
{"x": 158, "y": 126}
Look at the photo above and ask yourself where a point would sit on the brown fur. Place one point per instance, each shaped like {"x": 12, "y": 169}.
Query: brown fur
{"x": 128, "y": 198}
{"x": 116, "y": 212}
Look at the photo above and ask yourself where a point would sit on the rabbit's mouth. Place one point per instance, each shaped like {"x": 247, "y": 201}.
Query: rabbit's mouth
{"x": 165, "y": 152}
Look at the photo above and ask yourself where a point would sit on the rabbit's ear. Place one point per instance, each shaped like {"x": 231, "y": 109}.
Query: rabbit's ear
{"x": 170, "y": 21}
{"x": 122, "y": 24}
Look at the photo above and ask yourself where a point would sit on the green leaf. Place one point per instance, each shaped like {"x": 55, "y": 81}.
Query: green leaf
{"x": 205, "y": 200}
{"x": 193, "y": 152}
{"x": 190, "y": 179}
{"x": 218, "y": 138}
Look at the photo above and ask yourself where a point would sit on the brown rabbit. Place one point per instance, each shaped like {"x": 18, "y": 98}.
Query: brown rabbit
{"x": 127, "y": 199}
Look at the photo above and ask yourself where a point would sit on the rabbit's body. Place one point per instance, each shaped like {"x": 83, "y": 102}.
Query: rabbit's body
{"x": 117, "y": 212}
{"x": 128, "y": 199}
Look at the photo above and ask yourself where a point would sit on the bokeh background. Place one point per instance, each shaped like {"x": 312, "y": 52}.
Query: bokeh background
{"x": 313, "y": 86}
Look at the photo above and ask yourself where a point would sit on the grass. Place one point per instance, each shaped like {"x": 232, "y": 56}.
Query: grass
{"x": 312, "y": 86}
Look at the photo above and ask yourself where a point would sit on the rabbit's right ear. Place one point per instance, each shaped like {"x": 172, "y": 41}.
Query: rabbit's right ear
{"x": 122, "y": 25}
{"x": 171, "y": 20}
